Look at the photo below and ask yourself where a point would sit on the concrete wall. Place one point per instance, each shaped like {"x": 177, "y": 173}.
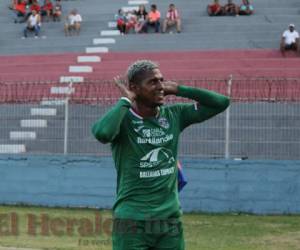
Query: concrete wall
{"x": 213, "y": 185}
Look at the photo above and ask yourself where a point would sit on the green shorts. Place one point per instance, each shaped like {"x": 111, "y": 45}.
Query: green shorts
{"x": 148, "y": 235}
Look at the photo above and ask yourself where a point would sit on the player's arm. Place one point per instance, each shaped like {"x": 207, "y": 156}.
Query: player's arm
{"x": 209, "y": 103}
{"x": 107, "y": 128}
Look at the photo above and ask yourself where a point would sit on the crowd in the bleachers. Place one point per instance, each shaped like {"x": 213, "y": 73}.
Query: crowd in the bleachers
{"x": 290, "y": 37}
{"x": 47, "y": 10}
{"x": 140, "y": 20}
{"x": 34, "y": 12}
{"x": 230, "y": 8}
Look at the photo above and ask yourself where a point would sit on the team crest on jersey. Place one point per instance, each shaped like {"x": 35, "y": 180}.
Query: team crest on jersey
{"x": 163, "y": 122}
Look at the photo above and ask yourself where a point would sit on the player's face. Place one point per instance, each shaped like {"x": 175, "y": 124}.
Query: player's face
{"x": 150, "y": 90}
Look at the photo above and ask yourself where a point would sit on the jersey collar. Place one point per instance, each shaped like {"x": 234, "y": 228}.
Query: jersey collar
{"x": 139, "y": 116}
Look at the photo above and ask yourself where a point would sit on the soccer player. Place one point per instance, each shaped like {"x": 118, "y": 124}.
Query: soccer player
{"x": 144, "y": 137}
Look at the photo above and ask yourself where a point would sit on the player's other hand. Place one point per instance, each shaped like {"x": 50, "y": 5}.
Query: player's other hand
{"x": 170, "y": 88}
{"x": 123, "y": 87}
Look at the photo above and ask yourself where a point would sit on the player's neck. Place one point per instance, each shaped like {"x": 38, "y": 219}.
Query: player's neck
{"x": 145, "y": 111}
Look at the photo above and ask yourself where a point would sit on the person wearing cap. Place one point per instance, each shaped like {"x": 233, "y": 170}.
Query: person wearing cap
{"x": 290, "y": 39}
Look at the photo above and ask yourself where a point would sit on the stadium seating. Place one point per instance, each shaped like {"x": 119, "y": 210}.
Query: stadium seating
{"x": 227, "y": 38}
{"x": 200, "y": 33}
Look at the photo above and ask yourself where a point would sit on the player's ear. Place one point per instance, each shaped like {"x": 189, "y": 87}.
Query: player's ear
{"x": 133, "y": 87}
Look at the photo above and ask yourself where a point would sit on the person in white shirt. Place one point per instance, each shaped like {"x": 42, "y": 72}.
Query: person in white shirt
{"x": 33, "y": 24}
{"x": 172, "y": 18}
{"x": 73, "y": 23}
{"x": 290, "y": 39}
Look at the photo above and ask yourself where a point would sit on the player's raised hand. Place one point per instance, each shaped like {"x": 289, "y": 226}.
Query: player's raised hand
{"x": 170, "y": 88}
{"x": 123, "y": 87}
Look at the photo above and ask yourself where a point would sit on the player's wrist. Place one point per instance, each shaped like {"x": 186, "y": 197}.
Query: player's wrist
{"x": 181, "y": 89}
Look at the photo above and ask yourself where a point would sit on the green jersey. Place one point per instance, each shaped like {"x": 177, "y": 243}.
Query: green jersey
{"x": 145, "y": 152}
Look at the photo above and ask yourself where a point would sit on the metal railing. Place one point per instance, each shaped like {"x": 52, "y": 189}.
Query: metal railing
{"x": 46, "y": 117}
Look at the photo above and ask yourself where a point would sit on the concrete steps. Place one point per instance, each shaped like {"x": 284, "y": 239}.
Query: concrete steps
{"x": 200, "y": 32}
{"x": 175, "y": 65}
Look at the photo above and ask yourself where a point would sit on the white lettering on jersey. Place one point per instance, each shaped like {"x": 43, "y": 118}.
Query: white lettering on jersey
{"x": 155, "y": 157}
{"x": 157, "y": 173}
{"x": 154, "y": 140}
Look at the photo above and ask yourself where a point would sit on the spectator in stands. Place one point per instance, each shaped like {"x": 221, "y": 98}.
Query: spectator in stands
{"x": 172, "y": 18}
{"x": 47, "y": 9}
{"x": 33, "y": 24}
{"x": 290, "y": 39}
{"x": 73, "y": 23}
{"x": 131, "y": 21}
{"x": 125, "y": 21}
{"x": 231, "y": 9}
{"x": 246, "y": 8}
{"x": 57, "y": 11}
{"x": 215, "y": 9}
{"x": 153, "y": 19}
{"x": 141, "y": 15}
{"x": 121, "y": 21}
{"x": 20, "y": 10}
{"x": 35, "y": 6}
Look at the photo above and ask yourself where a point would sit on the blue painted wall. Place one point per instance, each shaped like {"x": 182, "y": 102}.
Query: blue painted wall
{"x": 261, "y": 187}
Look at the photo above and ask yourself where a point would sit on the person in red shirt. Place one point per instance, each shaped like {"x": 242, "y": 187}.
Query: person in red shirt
{"x": 35, "y": 6}
{"x": 47, "y": 9}
{"x": 20, "y": 9}
{"x": 215, "y": 9}
{"x": 153, "y": 19}
{"x": 172, "y": 18}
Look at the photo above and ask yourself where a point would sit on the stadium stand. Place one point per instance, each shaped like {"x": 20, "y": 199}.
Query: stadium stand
{"x": 207, "y": 48}
{"x": 221, "y": 35}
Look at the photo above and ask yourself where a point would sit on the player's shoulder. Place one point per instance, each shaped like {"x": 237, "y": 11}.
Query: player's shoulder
{"x": 172, "y": 106}
{"x": 175, "y": 107}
